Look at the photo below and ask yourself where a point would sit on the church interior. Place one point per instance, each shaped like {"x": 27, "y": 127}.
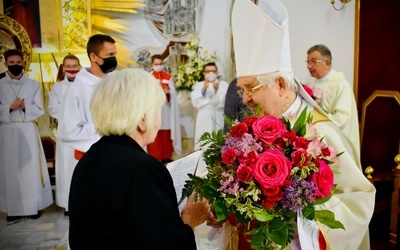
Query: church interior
{"x": 360, "y": 34}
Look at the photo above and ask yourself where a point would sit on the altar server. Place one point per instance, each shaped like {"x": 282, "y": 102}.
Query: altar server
{"x": 24, "y": 179}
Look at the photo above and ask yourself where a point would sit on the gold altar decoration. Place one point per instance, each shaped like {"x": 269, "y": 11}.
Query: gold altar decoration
{"x": 117, "y": 6}
{"x": 75, "y": 24}
{"x": 14, "y": 36}
{"x": 105, "y": 19}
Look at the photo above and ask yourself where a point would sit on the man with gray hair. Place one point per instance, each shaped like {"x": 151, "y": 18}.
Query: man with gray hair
{"x": 337, "y": 97}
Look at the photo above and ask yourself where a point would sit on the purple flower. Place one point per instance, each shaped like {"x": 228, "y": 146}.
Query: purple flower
{"x": 298, "y": 195}
{"x": 229, "y": 185}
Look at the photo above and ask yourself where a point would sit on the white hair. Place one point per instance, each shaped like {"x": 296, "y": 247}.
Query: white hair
{"x": 123, "y": 99}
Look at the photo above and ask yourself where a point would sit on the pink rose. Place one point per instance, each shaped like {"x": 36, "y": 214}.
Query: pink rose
{"x": 323, "y": 179}
{"x": 244, "y": 173}
{"x": 229, "y": 156}
{"x": 300, "y": 157}
{"x": 238, "y": 130}
{"x": 271, "y": 169}
{"x": 268, "y": 129}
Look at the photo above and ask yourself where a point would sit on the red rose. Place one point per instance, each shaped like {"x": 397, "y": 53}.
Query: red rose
{"x": 290, "y": 136}
{"x": 238, "y": 130}
{"x": 272, "y": 195}
{"x": 300, "y": 142}
{"x": 271, "y": 169}
{"x": 323, "y": 179}
{"x": 229, "y": 156}
{"x": 248, "y": 158}
{"x": 274, "y": 192}
{"x": 268, "y": 203}
{"x": 244, "y": 173}
{"x": 249, "y": 120}
{"x": 268, "y": 129}
{"x": 326, "y": 151}
{"x": 300, "y": 157}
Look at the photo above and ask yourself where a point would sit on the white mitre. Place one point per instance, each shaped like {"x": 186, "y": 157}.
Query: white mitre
{"x": 261, "y": 40}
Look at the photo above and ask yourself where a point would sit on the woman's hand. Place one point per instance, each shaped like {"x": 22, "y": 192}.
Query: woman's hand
{"x": 195, "y": 213}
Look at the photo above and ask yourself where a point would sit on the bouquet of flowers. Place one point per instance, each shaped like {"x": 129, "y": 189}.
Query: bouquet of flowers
{"x": 190, "y": 71}
{"x": 263, "y": 173}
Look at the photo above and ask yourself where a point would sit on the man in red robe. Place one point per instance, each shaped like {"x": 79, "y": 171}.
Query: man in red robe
{"x": 169, "y": 136}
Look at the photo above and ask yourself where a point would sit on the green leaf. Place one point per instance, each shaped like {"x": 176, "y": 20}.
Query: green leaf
{"x": 309, "y": 212}
{"x": 220, "y": 209}
{"x": 263, "y": 216}
{"x": 299, "y": 125}
{"x": 258, "y": 237}
{"x": 278, "y": 232}
{"x": 209, "y": 192}
{"x": 327, "y": 218}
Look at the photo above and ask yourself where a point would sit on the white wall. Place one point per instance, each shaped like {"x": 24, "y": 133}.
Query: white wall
{"x": 310, "y": 22}
{"x": 215, "y": 33}
{"x": 315, "y": 21}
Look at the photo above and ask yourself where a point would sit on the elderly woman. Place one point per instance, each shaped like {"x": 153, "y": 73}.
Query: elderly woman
{"x": 120, "y": 197}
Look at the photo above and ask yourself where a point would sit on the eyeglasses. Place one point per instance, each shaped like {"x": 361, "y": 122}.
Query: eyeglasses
{"x": 315, "y": 61}
{"x": 250, "y": 91}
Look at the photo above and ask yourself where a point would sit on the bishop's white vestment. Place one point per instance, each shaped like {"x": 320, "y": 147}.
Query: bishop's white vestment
{"x": 210, "y": 108}
{"x": 24, "y": 179}
{"x": 354, "y": 199}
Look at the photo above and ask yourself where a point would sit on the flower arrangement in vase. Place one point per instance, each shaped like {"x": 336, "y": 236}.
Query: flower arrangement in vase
{"x": 190, "y": 71}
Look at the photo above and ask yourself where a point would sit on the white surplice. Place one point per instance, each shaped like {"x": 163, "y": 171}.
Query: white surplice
{"x": 65, "y": 160}
{"x": 56, "y": 95}
{"x": 210, "y": 108}
{"x": 76, "y": 130}
{"x": 24, "y": 179}
{"x": 339, "y": 103}
{"x": 75, "y": 126}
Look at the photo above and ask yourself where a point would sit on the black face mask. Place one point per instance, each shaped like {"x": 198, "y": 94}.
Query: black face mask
{"x": 15, "y": 69}
{"x": 109, "y": 65}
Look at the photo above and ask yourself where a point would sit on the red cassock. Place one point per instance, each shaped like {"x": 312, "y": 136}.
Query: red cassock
{"x": 162, "y": 148}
